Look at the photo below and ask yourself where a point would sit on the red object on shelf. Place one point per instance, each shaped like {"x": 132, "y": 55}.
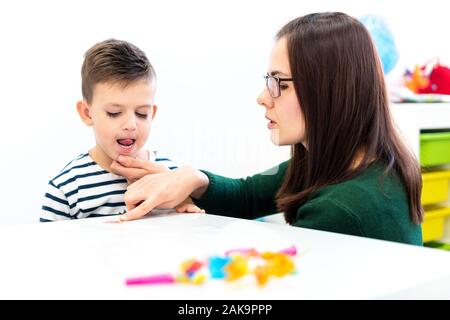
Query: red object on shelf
{"x": 439, "y": 80}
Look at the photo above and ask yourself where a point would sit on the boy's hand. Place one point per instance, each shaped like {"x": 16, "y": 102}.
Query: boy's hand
{"x": 188, "y": 206}
{"x": 134, "y": 169}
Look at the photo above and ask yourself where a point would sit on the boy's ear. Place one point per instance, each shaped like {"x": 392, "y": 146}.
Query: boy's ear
{"x": 155, "y": 107}
{"x": 84, "y": 112}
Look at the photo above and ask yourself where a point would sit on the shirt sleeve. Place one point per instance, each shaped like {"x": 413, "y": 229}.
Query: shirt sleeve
{"x": 164, "y": 160}
{"x": 55, "y": 207}
{"x": 248, "y": 198}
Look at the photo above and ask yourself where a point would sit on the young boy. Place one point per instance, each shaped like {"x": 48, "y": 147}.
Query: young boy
{"x": 118, "y": 85}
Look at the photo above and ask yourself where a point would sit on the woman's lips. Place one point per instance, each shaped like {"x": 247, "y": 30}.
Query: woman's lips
{"x": 272, "y": 124}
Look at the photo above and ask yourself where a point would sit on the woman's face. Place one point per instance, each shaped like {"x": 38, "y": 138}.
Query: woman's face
{"x": 286, "y": 120}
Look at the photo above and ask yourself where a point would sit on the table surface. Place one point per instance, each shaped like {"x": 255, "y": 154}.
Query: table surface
{"x": 92, "y": 258}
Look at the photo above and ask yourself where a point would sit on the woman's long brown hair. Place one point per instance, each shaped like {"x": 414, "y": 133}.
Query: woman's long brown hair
{"x": 340, "y": 85}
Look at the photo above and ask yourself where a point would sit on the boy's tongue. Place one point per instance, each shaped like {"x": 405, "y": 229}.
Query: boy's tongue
{"x": 125, "y": 142}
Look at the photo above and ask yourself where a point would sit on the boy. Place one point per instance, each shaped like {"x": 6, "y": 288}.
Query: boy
{"x": 118, "y": 86}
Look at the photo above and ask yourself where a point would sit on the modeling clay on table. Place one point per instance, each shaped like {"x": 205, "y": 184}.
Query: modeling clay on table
{"x": 234, "y": 265}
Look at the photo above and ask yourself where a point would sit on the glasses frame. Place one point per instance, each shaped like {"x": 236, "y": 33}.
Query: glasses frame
{"x": 278, "y": 80}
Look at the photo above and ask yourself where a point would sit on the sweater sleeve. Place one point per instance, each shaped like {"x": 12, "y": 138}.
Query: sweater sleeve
{"x": 328, "y": 215}
{"x": 247, "y": 198}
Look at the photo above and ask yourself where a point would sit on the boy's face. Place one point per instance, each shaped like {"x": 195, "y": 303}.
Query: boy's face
{"x": 121, "y": 118}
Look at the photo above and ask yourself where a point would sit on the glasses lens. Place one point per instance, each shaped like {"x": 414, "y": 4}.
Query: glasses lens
{"x": 272, "y": 85}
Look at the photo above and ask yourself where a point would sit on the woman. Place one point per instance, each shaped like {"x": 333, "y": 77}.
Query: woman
{"x": 349, "y": 172}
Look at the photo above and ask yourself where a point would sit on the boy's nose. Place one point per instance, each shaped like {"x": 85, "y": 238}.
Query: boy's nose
{"x": 130, "y": 123}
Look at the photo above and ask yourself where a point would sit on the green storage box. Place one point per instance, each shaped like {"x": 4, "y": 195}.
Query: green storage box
{"x": 435, "y": 148}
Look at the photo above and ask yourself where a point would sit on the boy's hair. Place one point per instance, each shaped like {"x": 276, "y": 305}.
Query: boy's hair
{"x": 114, "y": 61}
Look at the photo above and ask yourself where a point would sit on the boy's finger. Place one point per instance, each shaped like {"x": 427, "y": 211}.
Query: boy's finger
{"x": 195, "y": 209}
{"x": 180, "y": 209}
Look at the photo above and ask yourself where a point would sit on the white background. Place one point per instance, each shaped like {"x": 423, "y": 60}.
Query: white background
{"x": 209, "y": 57}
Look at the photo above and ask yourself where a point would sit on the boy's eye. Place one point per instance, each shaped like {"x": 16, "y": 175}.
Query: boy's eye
{"x": 113, "y": 114}
{"x": 141, "y": 115}
{"x": 283, "y": 86}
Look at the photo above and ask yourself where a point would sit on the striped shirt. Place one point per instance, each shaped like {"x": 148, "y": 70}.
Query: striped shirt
{"x": 84, "y": 189}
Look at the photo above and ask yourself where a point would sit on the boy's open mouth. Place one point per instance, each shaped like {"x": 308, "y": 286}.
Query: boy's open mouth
{"x": 126, "y": 143}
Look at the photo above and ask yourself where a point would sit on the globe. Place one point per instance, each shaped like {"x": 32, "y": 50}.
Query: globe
{"x": 384, "y": 41}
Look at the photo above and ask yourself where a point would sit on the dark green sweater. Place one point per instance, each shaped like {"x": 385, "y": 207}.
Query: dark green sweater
{"x": 366, "y": 205}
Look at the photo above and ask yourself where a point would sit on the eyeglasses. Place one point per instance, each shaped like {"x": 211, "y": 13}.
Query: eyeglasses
{"x": 273, "y": 84}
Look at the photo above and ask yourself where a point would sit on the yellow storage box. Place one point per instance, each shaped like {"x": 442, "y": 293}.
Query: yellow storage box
{"x": 433, "y": 224}
{"x": 435, "y": 187}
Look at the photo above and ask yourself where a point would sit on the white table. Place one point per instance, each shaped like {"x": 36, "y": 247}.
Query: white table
{"x": 90, "y": 258}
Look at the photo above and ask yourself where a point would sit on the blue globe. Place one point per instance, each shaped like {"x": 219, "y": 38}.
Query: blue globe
{"x": 384, "y": 41}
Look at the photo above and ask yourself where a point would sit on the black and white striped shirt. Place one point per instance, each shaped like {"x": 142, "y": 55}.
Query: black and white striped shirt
{"x": 84, "y": 189}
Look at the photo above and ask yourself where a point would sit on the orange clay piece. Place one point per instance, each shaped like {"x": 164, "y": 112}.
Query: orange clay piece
{"x": 237, "y": 268}
{"x": 278, "y": 264}
{"x": 262, "y": 274}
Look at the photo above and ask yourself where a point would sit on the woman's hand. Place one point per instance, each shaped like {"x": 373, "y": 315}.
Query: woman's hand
{"x": 163, "y": 190}
{"x": 134, "y": 169}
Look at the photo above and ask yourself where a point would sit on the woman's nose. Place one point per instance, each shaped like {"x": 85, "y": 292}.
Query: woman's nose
{"x": 264, "y": 99}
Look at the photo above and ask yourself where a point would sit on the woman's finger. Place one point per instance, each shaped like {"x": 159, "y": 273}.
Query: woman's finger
{"x": 139, "y": 184}
{"x": 141, "y": 210}
{"x": 129, "y": 173}
{"x": 147, "y": 166}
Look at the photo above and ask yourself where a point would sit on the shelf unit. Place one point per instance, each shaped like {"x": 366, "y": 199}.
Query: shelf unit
{"x": 411, "y": 119}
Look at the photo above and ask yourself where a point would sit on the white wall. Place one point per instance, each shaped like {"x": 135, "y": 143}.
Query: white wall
{"x": 209, "y": 57}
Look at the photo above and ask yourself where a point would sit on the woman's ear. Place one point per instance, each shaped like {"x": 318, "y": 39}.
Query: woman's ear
{"x": 84, "y": 112}
{"x": 154, "y": 108}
